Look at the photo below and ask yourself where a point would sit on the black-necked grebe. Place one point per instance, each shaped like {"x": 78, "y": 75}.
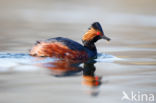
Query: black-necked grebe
{"x": 65, "y": 48}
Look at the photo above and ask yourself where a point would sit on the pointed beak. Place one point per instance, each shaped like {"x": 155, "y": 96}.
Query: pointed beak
{"x": 104, "y": 37}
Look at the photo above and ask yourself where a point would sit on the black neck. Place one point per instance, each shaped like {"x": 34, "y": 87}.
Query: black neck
{"x": 91, "y": 44}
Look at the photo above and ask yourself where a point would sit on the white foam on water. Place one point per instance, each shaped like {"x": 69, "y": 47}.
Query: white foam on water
{"x": 24, "y": 62}
{"x": 20, "y": 62}
{"x": 106, "y": 58}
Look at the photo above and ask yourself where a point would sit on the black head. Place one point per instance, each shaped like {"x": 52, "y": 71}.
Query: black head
{"x": 97, "y": 26}
{"x": 95, "y": 33}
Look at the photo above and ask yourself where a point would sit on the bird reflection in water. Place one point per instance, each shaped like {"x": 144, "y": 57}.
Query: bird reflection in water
{"x": 62, "y": 68}
{"x": 90, "y": 79}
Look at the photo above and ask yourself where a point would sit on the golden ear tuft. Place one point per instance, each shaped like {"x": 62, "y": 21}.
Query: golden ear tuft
{"x": 90, "y": 34}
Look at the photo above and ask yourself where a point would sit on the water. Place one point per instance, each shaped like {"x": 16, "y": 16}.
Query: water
{"x": 127, "y": 63}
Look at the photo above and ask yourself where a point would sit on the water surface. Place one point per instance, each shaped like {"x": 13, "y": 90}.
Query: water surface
{"x": 127, "y": 63}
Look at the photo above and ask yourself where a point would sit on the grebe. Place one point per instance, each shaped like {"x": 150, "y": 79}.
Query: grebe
{"x": 65, "y": 48}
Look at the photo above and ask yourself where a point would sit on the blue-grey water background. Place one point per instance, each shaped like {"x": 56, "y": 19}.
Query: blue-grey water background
{"x": 130, "y": 24}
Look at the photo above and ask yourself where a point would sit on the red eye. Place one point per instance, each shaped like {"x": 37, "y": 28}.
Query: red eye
{"x": 98, "y": 33}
